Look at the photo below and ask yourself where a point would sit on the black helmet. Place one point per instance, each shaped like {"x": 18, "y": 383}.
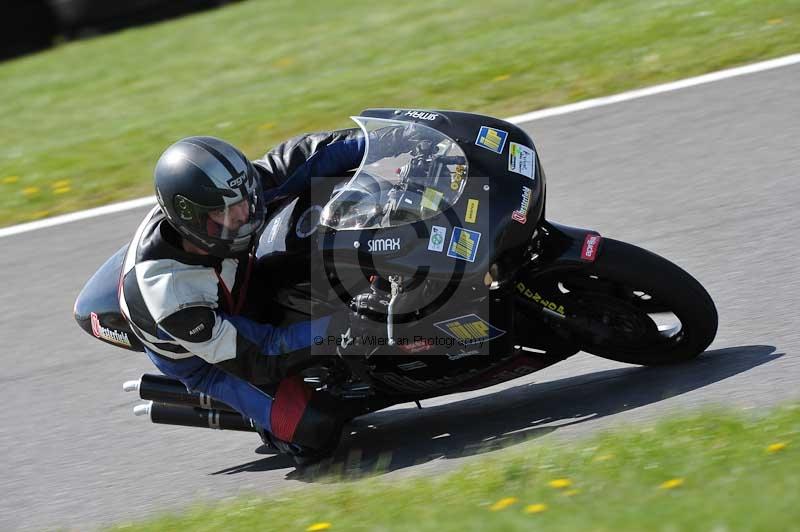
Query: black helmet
{"x": 202, "y": 184}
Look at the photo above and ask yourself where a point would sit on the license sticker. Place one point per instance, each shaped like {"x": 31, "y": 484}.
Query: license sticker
{"x": 521, "y": 159}
{"x": 472, "y": 211}
{"x": 436, "y": 241}
{"x": 491, "y": 139}
{"x": 463, "y": 244}
{"x": 469, "y": 329}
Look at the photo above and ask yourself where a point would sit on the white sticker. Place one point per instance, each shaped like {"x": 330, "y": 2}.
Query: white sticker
{"x": 436, "y": 241}
{"x": 521, "y": 159}
{"x": 422, "y": 115}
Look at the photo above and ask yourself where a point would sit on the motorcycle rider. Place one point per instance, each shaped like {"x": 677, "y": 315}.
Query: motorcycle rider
{"x": 187, "y": 271}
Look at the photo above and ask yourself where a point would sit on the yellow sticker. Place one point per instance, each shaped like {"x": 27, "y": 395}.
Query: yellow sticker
{"x": 431, "y": 198}
{"x": 469, "y": 329}
{"x": 552, "y": 305}
{"x": 458, "y": 177}
{"x": 472, "y": 211}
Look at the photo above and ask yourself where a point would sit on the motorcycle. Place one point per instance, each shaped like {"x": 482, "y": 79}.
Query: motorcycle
{"x": 444, "y": 246}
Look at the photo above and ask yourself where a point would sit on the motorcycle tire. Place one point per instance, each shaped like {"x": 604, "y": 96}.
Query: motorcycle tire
{"x": 625, "y": 288}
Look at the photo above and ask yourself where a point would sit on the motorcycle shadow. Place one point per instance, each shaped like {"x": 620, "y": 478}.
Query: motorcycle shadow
{"x": 391, "y": 440}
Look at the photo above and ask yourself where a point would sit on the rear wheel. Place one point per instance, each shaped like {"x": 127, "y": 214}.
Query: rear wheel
{"x": 633, "y": 306}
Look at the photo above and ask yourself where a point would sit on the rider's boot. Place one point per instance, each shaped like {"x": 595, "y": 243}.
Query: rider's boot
{"x": 304, "y": 422}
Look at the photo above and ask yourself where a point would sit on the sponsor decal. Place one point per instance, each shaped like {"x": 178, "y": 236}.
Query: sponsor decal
{"x": 472, "y": 211}
{"x": 408, "y": 366}
{"x": 469, "y": 329}
{"x": 422, "y": 115}
{"x": 458, "y": 177}
{"x": 111, "y": 335}
{"x": 436, "y": 241}
{"x": 521, "y": 215}
{"x": 308, "y": 222}
{"x": 521, "y": 159}
{"x": 431, "y": 198}
{"x": 418, "y": 346}
{"x": 463, "y": 354}
{"x": 383, "y": 244}
{"x": 197, "y": 329}
{"x": 463, "y": 244}
{"x": 590, "y": 245}
{"x": 236, "y": 181}
{"x": 492, "y": 139}
{"x": 534, "y": 296}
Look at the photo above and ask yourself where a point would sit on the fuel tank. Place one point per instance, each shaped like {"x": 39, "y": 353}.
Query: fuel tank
{"x": 97, "y": 307}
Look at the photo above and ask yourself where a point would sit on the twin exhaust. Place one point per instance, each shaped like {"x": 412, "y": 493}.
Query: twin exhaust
{"x": 170, "y": 403}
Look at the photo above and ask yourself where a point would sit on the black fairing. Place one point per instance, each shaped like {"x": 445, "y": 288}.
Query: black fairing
{"x": 97, "y": 307}
{"x": 503, "y": 241}
{"x": 326, "y": 254}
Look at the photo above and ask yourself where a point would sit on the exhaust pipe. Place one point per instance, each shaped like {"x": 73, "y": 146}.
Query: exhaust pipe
{"x": 161, "y": 389}
{"x": 188, "y": 416}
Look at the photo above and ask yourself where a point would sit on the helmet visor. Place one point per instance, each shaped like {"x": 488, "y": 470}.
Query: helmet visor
{"x": 232, "y": 223}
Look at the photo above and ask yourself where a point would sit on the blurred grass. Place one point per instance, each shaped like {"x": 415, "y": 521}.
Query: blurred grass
{"x": 83, "y": 124}
{"x": 712, "y": 471}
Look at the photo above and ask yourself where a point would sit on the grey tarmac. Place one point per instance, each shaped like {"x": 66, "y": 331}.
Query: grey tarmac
{"x": 708, "y": 177}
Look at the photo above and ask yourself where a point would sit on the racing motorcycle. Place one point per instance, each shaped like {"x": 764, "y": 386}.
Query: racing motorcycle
{"x": 444, "y": 246}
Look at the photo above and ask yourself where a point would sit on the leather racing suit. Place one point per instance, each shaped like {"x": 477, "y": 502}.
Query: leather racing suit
{"x": 185, "y": 308}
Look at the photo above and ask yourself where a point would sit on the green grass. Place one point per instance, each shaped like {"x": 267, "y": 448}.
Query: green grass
{"x": 84, "y": 123}
{"x": 730, "y": 479}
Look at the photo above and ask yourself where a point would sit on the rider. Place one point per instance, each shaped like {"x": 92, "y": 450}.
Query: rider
{"x": 187, "y": 271}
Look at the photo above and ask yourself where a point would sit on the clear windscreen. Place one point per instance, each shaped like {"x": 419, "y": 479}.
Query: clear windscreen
{"x": 410, "y": 172}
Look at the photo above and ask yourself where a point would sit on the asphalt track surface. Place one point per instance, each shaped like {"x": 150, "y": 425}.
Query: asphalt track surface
{"x": 707, "y": 176}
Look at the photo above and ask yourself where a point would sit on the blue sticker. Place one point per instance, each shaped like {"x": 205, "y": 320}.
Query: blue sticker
{"x": 463, "y": 244}
{"x": 469, "y": 329}
{"x": 491, "y": 139}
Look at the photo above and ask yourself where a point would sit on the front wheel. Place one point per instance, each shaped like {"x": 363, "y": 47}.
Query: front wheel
{"x": 634, "y": 306}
